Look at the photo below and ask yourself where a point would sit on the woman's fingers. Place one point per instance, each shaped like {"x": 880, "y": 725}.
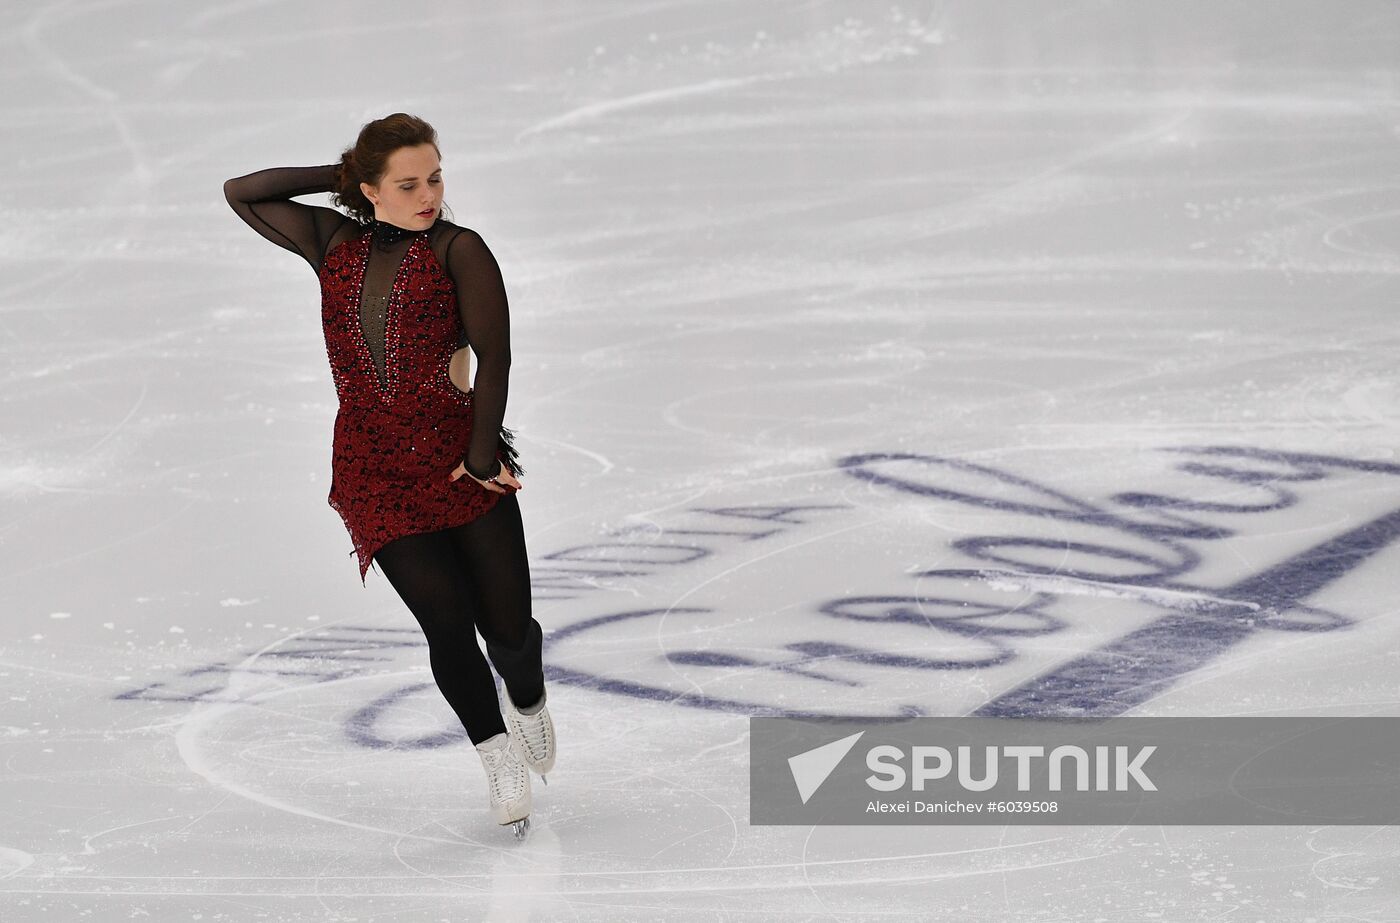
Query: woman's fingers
{"x": 507, "y": 479}
{"x": 510, "y": 482}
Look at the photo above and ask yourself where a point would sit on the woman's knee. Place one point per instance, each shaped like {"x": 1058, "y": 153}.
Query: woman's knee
{"x": 514, "y": 637}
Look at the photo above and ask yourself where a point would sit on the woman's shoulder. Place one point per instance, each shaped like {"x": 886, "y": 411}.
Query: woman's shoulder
{"x": 449, "y": 231}
{"x": 460, "y": 248}
{"x": 348, "y": 233}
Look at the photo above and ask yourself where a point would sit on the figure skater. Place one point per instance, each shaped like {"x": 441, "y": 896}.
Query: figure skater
{"x": 424, "y": 474}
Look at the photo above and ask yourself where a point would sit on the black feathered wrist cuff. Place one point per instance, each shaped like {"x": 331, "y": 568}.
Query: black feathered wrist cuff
{"x": 505, "y": 445}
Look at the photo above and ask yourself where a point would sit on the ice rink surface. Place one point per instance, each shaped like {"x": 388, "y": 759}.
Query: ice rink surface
{"x": 823, "y": 313}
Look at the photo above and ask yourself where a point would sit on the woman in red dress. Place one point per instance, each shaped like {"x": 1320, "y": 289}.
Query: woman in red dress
{"x": 424, "y": 473}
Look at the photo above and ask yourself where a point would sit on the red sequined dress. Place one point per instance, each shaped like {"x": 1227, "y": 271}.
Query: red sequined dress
{"x": 395, "y": 305}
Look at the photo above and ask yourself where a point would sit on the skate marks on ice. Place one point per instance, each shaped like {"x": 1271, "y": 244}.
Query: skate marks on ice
{"x": 250, "y": 698}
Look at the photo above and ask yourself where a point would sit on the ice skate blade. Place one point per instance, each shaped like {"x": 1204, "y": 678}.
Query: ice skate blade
{"x": 520, "y": 828}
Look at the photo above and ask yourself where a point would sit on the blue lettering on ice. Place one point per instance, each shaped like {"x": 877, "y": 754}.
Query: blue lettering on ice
{"x": 322, "y": 656}
{"x": 361, "y": 725}
{"x": 1201, "y": 622}
{"x": 1151, "y": 564}
{"x": 1137, "y": 666}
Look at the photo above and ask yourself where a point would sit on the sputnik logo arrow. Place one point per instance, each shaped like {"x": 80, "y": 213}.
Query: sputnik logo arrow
{"x": 811, "y": 768}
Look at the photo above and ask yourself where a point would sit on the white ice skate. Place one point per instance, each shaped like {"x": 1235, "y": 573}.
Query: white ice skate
{"x": 508, "y": 782}
{"x": 535, "y": 734}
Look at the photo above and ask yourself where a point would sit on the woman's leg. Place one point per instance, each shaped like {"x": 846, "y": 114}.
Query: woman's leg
{"x": 427, "y": 572}
{"x": 492, "y": 550}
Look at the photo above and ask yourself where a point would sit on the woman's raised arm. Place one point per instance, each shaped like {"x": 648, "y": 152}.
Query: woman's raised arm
{"x": 264, "y": 200}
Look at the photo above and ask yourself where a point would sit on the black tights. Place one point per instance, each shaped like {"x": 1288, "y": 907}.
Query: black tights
{"x": 469, "y": 578}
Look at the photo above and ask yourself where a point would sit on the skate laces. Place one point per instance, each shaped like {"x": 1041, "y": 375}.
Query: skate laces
{"x": 505, "y": 773}
{"x": 533, "y": 732}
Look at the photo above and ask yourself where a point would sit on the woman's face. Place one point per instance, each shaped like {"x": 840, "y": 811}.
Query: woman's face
{"x": 410, "y": 192}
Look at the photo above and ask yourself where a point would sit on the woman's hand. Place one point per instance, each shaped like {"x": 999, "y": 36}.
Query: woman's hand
{"x": 505, "y": 477}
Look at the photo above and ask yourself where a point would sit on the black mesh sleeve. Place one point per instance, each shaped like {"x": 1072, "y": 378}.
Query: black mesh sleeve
{"x": 263, "y": 200}
{"x": 481, "y": 301}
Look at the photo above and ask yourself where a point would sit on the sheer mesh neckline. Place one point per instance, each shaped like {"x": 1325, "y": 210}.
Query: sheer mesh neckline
{"x": 387, "y": 234}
